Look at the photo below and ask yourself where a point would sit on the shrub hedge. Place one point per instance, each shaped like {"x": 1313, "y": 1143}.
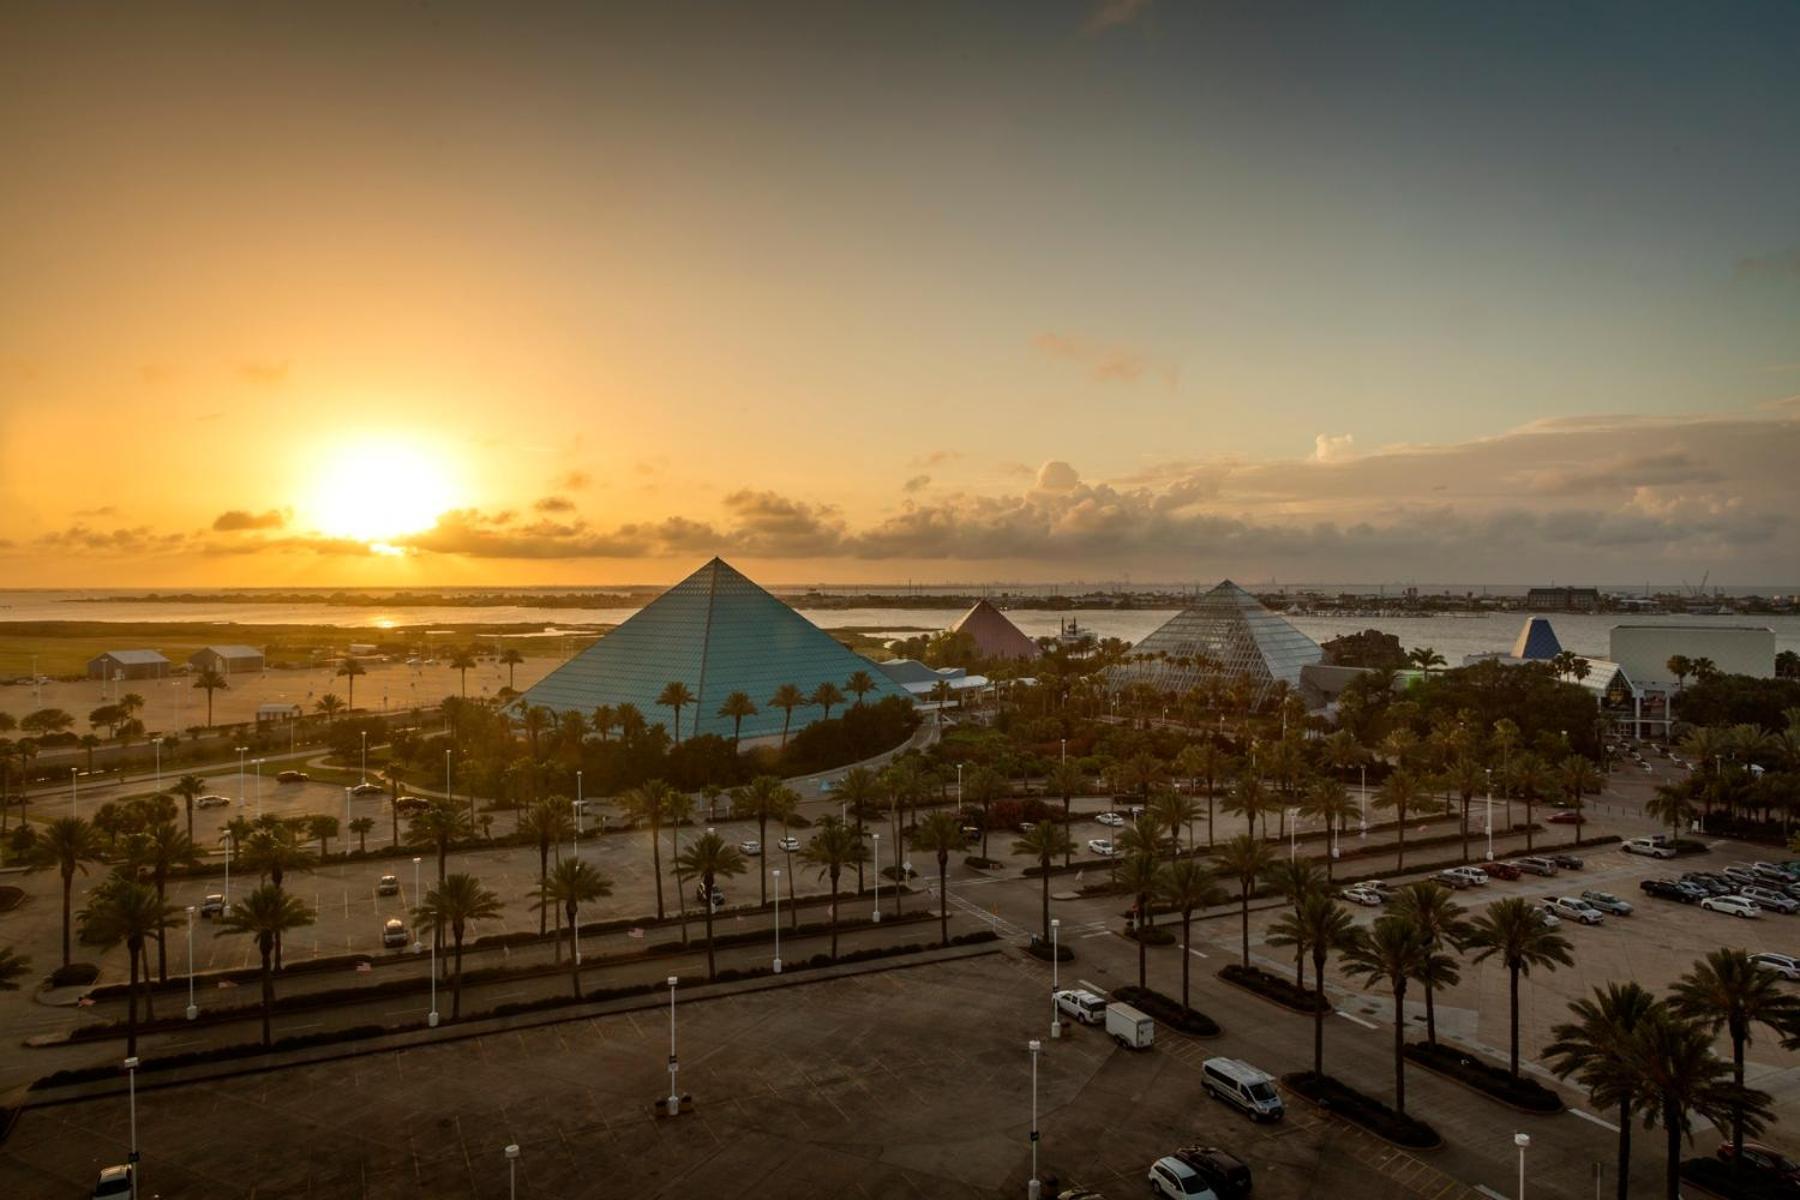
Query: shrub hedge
{"x": 1271, "y": 986}
{"x": 1336, "y": 1096}
{"x": 1715, "y": 1176}
{"x": 1486, "y": 1077}
{"x": 1168, "y": 1010}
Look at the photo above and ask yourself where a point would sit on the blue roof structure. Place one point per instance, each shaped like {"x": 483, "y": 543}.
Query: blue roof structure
{"x": 718, "y": 633}
{"x": 1537, "y": 640}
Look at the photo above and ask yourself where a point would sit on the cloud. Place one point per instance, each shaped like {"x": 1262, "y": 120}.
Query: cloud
{"x": 79, "y": 538}
{"x": 1329, "y": 447}
{"x": 917, "y": 483}
{"x": 265, "y": 372}
{"x": 554, "y": 504}
{"x": 1111, "y": 14}
{"x": 574, "y": 481}
{"x": 1783, "y": 264}
{"x": 1103, "y": 362}
{"x": 1057, "y": 476}
{"x": 935, "y": 458}
{"x": 238, "y": 519}
{"x": 103, "y": 511}
{"x": 774, "y": 526}
{"x": 1625, "y": 473}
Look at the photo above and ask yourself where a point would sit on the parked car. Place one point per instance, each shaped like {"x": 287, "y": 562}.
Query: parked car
{"x": 211, "y": 801}
{"x": 1735, "y": 906}
{"x": 1547, "y": 914}
{"x": 789, "y": 843}
{"x": 1462, "y": 877}
{"x": 1227, "y": 1174}
{"x": 751, "y": 848}
{"x": 213, "y": 905}
{"x": 1647, "y": 846}
{"x": 366, "y": 788}
{"x": 1567, "y": 817}
{"x": 1669, "y": 889}
{"x": 1767, "y": 1162}
{"x": 291, "y": 777}
{"x": 1536, "y": 864}
{"x": 1110, "y": 818}
{"x": 1083, "y": 1005}
{"x": 1173, "y": 1179}
{"x": 1606, "y": 902}
{"x": 1712, "y": 885}
{"x": 1129, "y": 1027}
{"x": 1568, "y": 862}
{"x": 1242, "y": 1086}
{"x": 1574, "y": 908}
{"x": 718, "y": 895}
{"x": 1764, "y": 897}
{"x": 388, "y": 886}
{"x": 1101, "y": 846}
{"x": 1770, "y": 872}
{"x": 114, "y": 1181}
{"x": 393, "y": 933}
{"x": 1500, "y": 870}
{"x": 1739, "y": 875}
{"x": 1368, "y": 897}
{"x": 1784, "y": 965}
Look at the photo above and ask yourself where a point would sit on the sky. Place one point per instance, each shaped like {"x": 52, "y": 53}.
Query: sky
{"x": 494, "y": 295}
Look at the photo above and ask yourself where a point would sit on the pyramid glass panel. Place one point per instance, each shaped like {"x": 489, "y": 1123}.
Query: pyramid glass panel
{"x": 1224, "y": 635}
{"x": 1537, "y": 640}
{"x": 718, "y": 633}
{"x": 994, "y": 635}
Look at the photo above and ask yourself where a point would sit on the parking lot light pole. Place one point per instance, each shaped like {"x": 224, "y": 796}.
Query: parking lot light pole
{"x": 192, "y": 1010}
{"x": 580, "y": 802}
{"x": 1055, "y": 931}
{"x": 1293, "y": 815}
{"x": 1488, "y": 819}
{"x": 876, "y": 918}
{"x": 1521, "y": 1140}
{"x": 959, "y": 768}
{"x": 74, "y": 795}
{"x": 157, "y": 743}
{"x": 131, "y": 1065}
{"x": 575, "y": 853}
{"x": 674, "y": 1096}
{"x": 240, "y": 754}
{"x": 431, "y": 1018}
{"x": 1362, "y": 799}
{"x": 418, "y": 943}
{"x": 512, "y": 1171}
{"x": 259, "y": 763}
{"x": 1032, "y": 1187}
{"x": 365, "y": 757}
{"x": 777, "y": 919}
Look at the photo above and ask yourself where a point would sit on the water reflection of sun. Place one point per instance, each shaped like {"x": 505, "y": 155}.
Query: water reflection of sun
{"x": 377, "y": 490}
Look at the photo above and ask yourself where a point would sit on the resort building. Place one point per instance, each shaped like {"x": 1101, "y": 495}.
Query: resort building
{"x": 227, "y": 660}
{"x": 921, "y": 681}
{"x": 995, "y": 636}
{"x": 717, "y": 633}
{"x": 128, "y": 664}
{"x": 1224, "y": 636}
{"x": 1625, "y": 702}
{"x": 1645, "y": 650}
{"x": 1563, "y": 599}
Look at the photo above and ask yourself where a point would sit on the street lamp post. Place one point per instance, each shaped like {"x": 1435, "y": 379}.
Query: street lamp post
{"x": 1033, "y": 1186}
{"x": 74, "y": 795}
{"x": 876, "y": 918}
{"x": 1293, "y": 815}
{"x": 575, "y": 853}
{"x": 259, "y": 763}
{"x": 418, "y": 944}
{"x": 229, "y": 841}
{"x": 959, "y": 809}
{"x": 240, "y": 753}
{"x": 580, "y": 802}
{"x": 1362, "y": 800}
{"x": 365, "y": 756}
{"x": 512, "y": 1171}
{"x": 1522, "y": 1141}
{"x": 157, "y": 743}
{"x": 1488, "y": 817}
{"x": 1055, "y": 931}
{"x": 131, "y": 1066}
{"x": 777, "y": 967}
{"x": 192, "y": 1010}
{"x": 674, "y": 1096}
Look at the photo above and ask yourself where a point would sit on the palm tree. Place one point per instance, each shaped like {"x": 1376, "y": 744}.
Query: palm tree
{"x": 737, "y": 706}
{"x": 362, "y": 827}
{"x": 859, "y": 685}
{"x": 324, "y": 827}
{"x": 675, "y": 696}
{"x": 835, "y": 846}
{"x": 572, "y": 884}
{"x": 707, "y": 858}
{"x": 941, "y": 833}
{"x": 1172, "y": 810}
{"x": 1725, "y": 990}
{"x": 1248, "y": 799}
{"x": 266, "y": 914}
{"x": 122, "y": 910}
{"x": 651, "y": 802}
{"x": 189, "y": 788}
{"x": 1512, "y": 931}
{"x": 1671, "y": 806}
{"x": 68, "y": 844}
{"x": 549, "y": 822}
{"x": 511, "y": 658}
{"x": 1464, "y": 776}
{"x": 1296, "y": 879}
{"x": 1204, "y": 762}
{"x": 1391, "y": 952}
{"x": 1067, "y": 778}
{"x": 1139, "y": 875}
{"x": 984, "y": 786}
{"x": 678, "y": 812}
{"x": 1327, "y": 927}
{"x": 161, "y": 848}
{"x": 274, "y": 850}
{"x": 1577, "y": 777}
{"x": 1424, "y": 658}
{"x": 329, "y": 705}
{"x": 1678, "y": 1067}
{"x": 763, "y": 798}
{"x": 210, "y": 681}
{"x": 1044, "y": 841}
{"x": 787, "y": 698}
{"x": 13, "y": 967}
{"x": 1444, "y": 922}
{"x": 856, "y": 789}
{"x": 1330, "y": 802}
{"x": 1595, "y": 1048}
{"x": 1400, "y": 792}
{"x": 457, "y": 902}
{"x": 1245, "y": 859}
{"x": 350, "y": 668}
{"x": 1184, "y": 886}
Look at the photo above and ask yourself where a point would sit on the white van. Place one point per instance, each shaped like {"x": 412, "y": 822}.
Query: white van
{"x": 1241, "y": 1084}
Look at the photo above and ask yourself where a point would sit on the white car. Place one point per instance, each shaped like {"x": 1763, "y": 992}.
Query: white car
{"x": 1608, "y": 903}
{"x": 789, "y": 843}
{"x": 1784, "y": 965}
{"x": 212, "y": 801}
{"x": 1462, "y": 877}
{"x": 1647, "y": 846}
{"x": 1365, "y": 896}
{"x": 1173, "y": 1179}
{"x": 751, "y": 848}
{"x": 1082, "y": 1005}
{"x": 1110, "y": 818}
{"x": 1736, "y": 906}
{"x": 1576, "y": 909}
{"x": 1548, "y": 916}
{"x": 1764, "y": 897}
{"x": 1101, "y": 846}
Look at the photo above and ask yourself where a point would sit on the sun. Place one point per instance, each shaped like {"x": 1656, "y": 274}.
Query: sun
{"x": 376, "y": 490}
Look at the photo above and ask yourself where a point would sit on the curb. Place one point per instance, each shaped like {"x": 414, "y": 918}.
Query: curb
{"x": 1334, "y": 1115}
{"x": 1561, "y": 1107}
{"x": 1298, "y": 1012}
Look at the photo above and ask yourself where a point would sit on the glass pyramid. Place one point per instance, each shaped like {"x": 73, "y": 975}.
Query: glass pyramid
{"x": 1537, "y": 640}
{"x": 718, "y": 633}
{"x": 1224, "y": 634}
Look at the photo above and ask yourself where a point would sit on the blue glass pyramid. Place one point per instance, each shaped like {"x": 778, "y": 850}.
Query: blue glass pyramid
{"x": 1537, "y": 640}
{"x": 718, "y": 633}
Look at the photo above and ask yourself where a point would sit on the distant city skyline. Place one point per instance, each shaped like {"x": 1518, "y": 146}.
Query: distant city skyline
{"x": 469, "y": 297}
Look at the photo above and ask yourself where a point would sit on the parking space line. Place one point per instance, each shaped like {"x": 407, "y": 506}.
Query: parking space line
{"x": 1488, "y": 1191}
{"x": 1588, "y": 1116}
{"x": 1365, "y": 1024}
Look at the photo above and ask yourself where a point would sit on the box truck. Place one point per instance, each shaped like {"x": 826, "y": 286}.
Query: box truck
{"x": 1129, "y": 1027}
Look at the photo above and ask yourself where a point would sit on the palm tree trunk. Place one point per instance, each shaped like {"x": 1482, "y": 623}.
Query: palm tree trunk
{"x": 543, "y": 879}
{"x": 1513, "y": 972}
{"x": 131, "y": 1007}
{"x": 1244, "y": 918}
{"x": 711, "y": 965}
{"x": 1624, "y": 1167}
{"x": 1318, "y": 1016}
{"x": 860, "y": 884}
{"x": 1737, "y": 1103}
{"x": 1143, "y": 927}
{"x": 1400, "y": 864}
{"x": 1068, "y": 850}
{"x": 762, "y": 868}
{"x": 1465, "y": 829}
{"x": 1527, "y": 827}
{"x": 1672, "y": 1150}
{"x": 656, "y": 862}
{"x": 1187, "y": 916}
{"x": 574, "y": 959}
{"x": 456, "y": 986}
{"x": 943, "y": 901}
{"x": 680, "y": 881}
{"x": 68, "y": 883}
{"x": 1046, "y": 895}
{"x": 1400, "y": 1052}
{"x": 268, "y": 982}
{"x": 162, "y": 935}
{"x": 793, "y": 908}
{"x": 834, "y": 915}
{"x": 1430, "y": 1014}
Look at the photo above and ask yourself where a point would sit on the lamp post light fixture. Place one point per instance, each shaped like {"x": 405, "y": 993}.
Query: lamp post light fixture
{"x": 876, "y": 918}
{"x": 1522, "y": 1141}
{"x": 777, "y": 966}
{"x": 674, "y": 1096}
{"x": 512, "y": 1171}
{"x": 1033, "y": 1187}
{"x": 131, "y": 1066}
{"x": 1055, "y": 932}
{"x": 192, "y": 1009}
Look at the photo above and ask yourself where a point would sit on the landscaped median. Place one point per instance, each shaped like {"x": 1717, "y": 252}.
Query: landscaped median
{"x": 1169, "y": 1011}
{"x": 1270, "y": 986}
{"x": 1526, "y": 1095}
{"x": 1714, "y": 1177}
{"x": 1340, "y": 1099}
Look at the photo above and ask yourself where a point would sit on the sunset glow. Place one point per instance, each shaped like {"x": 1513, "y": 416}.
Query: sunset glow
{"x": 377, "y": 490}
